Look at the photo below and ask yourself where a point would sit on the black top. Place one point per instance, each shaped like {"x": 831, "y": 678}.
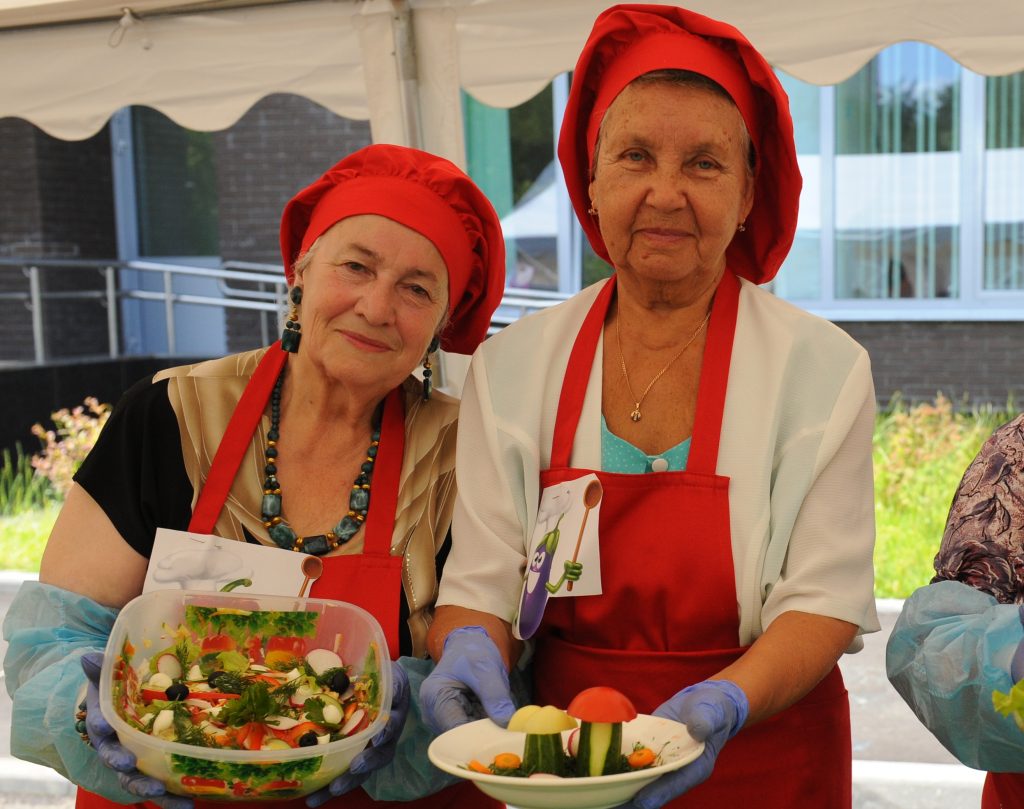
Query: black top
{"x": 136, "y": 474}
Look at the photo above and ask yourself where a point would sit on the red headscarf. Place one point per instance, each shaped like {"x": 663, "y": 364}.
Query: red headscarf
{"x": 630, "y": 40}
{"x": 428, "y": 194}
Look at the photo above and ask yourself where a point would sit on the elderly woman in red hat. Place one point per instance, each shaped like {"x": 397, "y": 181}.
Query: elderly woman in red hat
{"x": 729, "y": 435}
{"x": 324, "y": 443}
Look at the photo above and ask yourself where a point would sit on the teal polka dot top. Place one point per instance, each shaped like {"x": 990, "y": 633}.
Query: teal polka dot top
{"x": 618, "y": 455}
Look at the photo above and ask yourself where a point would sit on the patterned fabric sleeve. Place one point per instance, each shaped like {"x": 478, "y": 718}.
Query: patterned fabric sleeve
{"x": 983, "y": 545}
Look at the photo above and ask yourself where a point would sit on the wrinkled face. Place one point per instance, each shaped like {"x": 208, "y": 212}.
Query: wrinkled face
{"x": 373, "y": 297}
{"x": 671, "y": 183}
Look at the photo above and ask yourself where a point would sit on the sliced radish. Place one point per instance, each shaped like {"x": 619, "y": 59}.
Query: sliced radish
{"x": 322, "y": 659}
{"x": 282, "y": 722}
{"x": 325, "y": 739}
{"x": 544, "y": 775}
{"x": 170, "y": 665}
{"x": 573, "y": 743}
{"x": 294, "y": 674}
{"x": 353, "y": 721}
{"x": 258, "y": 667}
{"x": 198, "y": 703}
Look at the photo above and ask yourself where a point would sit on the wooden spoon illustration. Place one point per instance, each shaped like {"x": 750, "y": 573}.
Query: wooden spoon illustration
{"x": 312, "y": 567}
{"x": 591, "y": 497}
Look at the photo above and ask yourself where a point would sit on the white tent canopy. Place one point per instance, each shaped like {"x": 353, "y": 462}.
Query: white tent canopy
{"x": 67, "y": 65}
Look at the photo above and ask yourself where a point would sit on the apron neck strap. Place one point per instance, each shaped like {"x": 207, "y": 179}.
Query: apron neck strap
{"x": 707, "y": 427}
{"x": 714, "y": 377}
{"x": 577, "y": 375}
{"x": 387, "y": 470}
{"x": 244, "y": 419}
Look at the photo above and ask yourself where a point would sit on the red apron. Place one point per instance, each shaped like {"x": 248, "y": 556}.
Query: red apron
{"x": 668, "y": 615}
{"x": 372, "y": 580}
{"x": 1003, "y": 790}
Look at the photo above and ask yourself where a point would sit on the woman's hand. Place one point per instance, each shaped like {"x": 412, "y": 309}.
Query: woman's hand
{"x": 112, "y": 753}
{"x": 469, "y": 682}
{"x": 713, "y": 711}
{"x": 380, "y": 751}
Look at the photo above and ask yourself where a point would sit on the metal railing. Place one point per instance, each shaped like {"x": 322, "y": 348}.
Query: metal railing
{"x": 269, "y": 294}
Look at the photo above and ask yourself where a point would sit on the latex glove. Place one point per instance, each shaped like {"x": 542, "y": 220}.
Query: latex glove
{"x": 381, "y": 749}
{"x": 110, "y": 751}
{"x": 713, "y": 711}
{"x": 469, "y": 682}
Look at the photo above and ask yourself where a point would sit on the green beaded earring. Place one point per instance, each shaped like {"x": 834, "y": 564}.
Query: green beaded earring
{"x": 427, "y": 369}
{"x": 291, "y": 335}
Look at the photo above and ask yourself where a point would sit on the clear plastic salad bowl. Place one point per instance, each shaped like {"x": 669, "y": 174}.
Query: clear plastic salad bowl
{"x": 258, "y": 628}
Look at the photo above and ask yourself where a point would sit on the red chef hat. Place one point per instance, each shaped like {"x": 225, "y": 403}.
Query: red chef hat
{"x": 428, "y": 194}
{"x": 630, "y": 40}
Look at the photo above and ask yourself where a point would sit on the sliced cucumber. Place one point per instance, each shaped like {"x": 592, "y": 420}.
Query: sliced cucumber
{"x": 600, "y": 748}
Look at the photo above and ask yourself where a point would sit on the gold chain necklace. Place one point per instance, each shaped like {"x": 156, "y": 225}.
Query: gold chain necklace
{"x": 635, "y": 415}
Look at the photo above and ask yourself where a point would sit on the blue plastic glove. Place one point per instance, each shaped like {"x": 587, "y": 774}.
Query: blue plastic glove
{"x": 713, "y": 711}
{"x": 110, "y": 751}
{"x": 381, "y": 750}
{"x": 469, "y": 682}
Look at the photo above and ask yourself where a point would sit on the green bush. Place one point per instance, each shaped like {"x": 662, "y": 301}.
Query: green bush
{"x": 920, "y": 455}
{"x": 21, "y": 489}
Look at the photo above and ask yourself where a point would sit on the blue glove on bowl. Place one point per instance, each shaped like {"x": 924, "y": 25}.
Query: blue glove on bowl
{"x": 470, "y": 682}
{"x": 381, "y": 750}
{"x": 110, "y": 751}
{"x": 713, "y": 711}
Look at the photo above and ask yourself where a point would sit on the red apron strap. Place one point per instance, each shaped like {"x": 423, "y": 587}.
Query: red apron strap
{"x": 714, "y": 378}
{"x": 380, "y": 521}
{"x": 577, "y": 374}
{"x": 236, "y": 440}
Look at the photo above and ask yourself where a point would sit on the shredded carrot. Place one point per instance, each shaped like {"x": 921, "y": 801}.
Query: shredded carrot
{"x": 640, "y": 758}
{"x": 476, "y": 766}
{"x": 507, "y": 761}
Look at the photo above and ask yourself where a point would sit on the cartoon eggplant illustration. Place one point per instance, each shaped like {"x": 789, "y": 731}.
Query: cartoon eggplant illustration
{"x": 535, "y": 593}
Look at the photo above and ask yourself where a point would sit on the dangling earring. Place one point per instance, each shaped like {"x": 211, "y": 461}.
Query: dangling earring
{"x": 291, "y": 335}
{"x": 427, "y": 369}
{"x": 592, "y": 210}
{"x": 741, "y": 227}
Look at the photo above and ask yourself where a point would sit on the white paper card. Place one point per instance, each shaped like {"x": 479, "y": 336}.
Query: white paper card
{"x": 185, "y": 561}
{"x": 565, "y": 536}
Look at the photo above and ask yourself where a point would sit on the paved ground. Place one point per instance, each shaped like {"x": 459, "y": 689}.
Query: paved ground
{"x": 897, "y": 763}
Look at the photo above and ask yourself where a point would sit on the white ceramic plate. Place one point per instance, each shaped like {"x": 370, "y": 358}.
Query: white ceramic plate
{"x": 483, "y": 740}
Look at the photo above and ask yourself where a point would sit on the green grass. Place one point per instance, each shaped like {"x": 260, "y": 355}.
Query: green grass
{"x": 920, "y": 454}
{"x": 23, "y": 536}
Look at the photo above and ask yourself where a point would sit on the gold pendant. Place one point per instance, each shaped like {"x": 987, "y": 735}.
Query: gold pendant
{"x": 635, "y": 415}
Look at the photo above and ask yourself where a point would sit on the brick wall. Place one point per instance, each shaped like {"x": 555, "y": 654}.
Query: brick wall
{"x": 56, "y": 201}
{"x": 279, "y": 146}
{"x": 973, "y": 362}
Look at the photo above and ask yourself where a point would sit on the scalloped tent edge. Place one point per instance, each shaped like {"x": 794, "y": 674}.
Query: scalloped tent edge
{"x": 69, "y": 64}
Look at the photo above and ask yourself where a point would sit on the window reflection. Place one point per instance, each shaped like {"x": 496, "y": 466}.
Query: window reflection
{"x": 1004, "y": 197}
{"x": 897, "y": 211}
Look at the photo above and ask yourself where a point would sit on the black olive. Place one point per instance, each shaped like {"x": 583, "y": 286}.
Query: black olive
{"x": 307, "y": 739}
{"x": 177, "y": 691}
{"x": 340, "y": 682}
{"x": 214, "y": 676}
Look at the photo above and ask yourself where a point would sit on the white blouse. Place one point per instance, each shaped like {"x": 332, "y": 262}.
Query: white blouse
{"x": 796, "y": 445}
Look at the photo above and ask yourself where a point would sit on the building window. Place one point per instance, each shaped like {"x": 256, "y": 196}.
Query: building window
{"x": 897, "y": 177}
{"x": 800, "y": 275}
{"x": 175, "y": 187}
{"x": 1004, "y": 193}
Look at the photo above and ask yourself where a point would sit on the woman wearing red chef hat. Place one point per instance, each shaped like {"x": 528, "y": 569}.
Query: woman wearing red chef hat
{"x": 324, "y": 443}
{"x": 721, "y": 437}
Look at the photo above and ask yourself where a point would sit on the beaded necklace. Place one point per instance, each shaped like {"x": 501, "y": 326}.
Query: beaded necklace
{"x": 358, "y": 502}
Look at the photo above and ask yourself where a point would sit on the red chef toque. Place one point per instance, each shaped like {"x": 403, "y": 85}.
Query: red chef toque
{"x": 428, "y": 194}
{"x": 630, "y": 40}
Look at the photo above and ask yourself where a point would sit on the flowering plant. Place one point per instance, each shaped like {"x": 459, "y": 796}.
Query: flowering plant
{"x": 65, "y": 448}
